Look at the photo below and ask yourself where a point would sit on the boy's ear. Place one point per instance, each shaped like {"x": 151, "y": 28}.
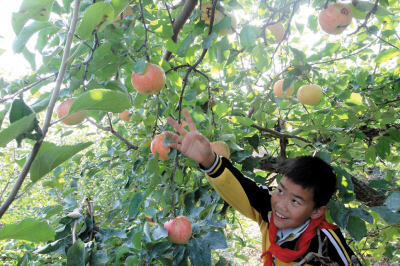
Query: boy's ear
{"x": 317, "y": 213}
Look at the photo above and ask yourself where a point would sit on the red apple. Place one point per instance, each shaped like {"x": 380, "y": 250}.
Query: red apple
{"x": 335, "y": 18}
{"x": 278, "y": 91}
{"x": 157, "y": 145}
{"x": 309, "y": 94}
{"x": 221, "y": 149}
{"x": 74, "y": 118}
{"x": 125, "y": 115}
{"x": 179, "y": 230}
{"x": 151, "y": 81}
{"x": 277, "y": 30}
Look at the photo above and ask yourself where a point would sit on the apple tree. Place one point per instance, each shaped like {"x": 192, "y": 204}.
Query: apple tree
{"x": 93, "y": 191}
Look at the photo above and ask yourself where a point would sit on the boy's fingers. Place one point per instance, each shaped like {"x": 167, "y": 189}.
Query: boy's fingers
{"x": 189, "y": 120}
{"x": 175, "y": 145}
{"x": 173, "y": 136}
{"x": 177, "y": 126}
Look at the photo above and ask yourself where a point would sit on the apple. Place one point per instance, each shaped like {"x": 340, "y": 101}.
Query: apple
{"x": 221, "y": 149}
{"x": 125, "y": 115}
{"x": 151, "y": 81}
{"x": 309, "y": 94}
{"x": 278, "y": 91}
{"x": 227, "y": 31}
{"x": 74, "y": 118}
{"x": 179, "y": 230}
{"x": 277, "y": 30}
{"x": 206, "y": 8}
{"x": 127, "y": 12}
{"x": 183, "y": 123}
{"x": 157, "y": 145}
{"x": 335, "y": 18}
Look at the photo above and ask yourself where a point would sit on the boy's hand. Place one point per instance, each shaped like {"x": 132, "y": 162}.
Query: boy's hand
{"x": 193, "y": 144}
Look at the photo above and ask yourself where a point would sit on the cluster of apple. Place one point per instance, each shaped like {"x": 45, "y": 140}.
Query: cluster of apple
{"x": 307, "y": 94}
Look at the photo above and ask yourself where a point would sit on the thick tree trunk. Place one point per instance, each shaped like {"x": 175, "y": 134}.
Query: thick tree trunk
{"x": 183, "y": 16}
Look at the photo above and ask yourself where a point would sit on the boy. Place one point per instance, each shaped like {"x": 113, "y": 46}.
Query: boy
{"x": 289, "y": 218}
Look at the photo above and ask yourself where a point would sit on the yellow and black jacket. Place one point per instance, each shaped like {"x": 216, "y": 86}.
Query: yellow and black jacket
{"x": 253, "y": 201}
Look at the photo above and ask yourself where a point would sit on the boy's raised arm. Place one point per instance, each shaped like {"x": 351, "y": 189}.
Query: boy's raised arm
{"x": 193, "y": 144}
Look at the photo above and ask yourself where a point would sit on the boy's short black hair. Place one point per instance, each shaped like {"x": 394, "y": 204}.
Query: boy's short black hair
{"x": 315, "y": 174}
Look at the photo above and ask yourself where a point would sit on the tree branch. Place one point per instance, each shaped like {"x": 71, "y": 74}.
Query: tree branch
{"x": 25, "y": 169}
{"x": 115, "y": 133}
{"x": 185, "y": 13}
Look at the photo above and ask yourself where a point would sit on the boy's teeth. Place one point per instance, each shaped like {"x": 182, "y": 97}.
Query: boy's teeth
{"x": 280, "y": 216}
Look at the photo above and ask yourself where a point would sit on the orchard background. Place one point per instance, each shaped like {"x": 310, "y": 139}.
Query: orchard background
{"x": 94, "y": 193}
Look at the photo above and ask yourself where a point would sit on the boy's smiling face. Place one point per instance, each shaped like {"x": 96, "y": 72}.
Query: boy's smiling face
{"x": 292, "y": 205}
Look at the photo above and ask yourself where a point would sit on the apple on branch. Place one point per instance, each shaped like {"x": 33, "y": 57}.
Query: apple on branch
{"x": 277, "y": 30}
{"x": 151, "y": 81}
{"x": 309, "y": 94}
{"x": 157, "y": 145}
{"x": 125, "y": 115}
{"x": 278, "y": 90}
{"x": 335, "y": 18}
{"x": 221, "y": 149}
{"x": 179, "y": 230}
{"x": 74, "y": 118}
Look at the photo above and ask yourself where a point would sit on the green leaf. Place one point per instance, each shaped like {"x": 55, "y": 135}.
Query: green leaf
{"x": 344, "y": 184}
{"x": 386, "y": 55}
{"x": 383, "y": 147}
{"x": 394, "y": 134}
{"x": 140, "y": 66}
{"x": 215, "y": 240}
{"x": 42, "y": 102}
{"x": 354, "y": 99}
{"x": 339, "y": 213}
{"x": 23, "y": 261}
{"x": 222, "y": 24}
{"x": 76, "y": 254}
{"x": 261, "y": 58}
{"x": 158, "y": 249}
{"x": 221, "y": 109}
{"x": 370, "y": 155}
{"x": 101, "y": 100}
{"x": 300, "y": 55}
{"x": 118, "y": 6}
{"x": 365, "y": 6}
{"x": 96, "y": 17}
{"x": 248, "y": 35}
{"x": 200, "y": 254}
{"x": 243, "y": 120}
{"x": 184, "y": 45}
{"x": 38, "y": 10}
{"x": 53, "y": 157}
{"x": 393, "y": 201}
{"x": 325, "y": 155}
{"x": 134, "y": 205}
{"x": 30, "y": 57}
{"x": 356, "y": 228}
{"x": 190, "y": 95}
{"x": 99, "y": 257}
{"x": 15, "y": 129}
{"x": 28, "y": 229}
{"x": 361, "y": 213}
{"x": 105, "y": 234}
{"x": 207, "y": 42}
{"x": 26, "y": 33}
{"x": 389, "y": 216}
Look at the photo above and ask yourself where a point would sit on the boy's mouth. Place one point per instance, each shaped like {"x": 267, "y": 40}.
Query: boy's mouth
{"x": 280, "y": 216}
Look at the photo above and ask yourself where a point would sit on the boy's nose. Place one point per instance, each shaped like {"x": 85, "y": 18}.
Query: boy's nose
{"x": 282, "y": 205}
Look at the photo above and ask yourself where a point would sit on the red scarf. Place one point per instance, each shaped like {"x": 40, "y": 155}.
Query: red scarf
{"x": 288, "y": 255}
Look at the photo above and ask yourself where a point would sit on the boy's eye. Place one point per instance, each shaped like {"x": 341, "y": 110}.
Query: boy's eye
{"x": 280, "y": 191}
{"x": 295, "y": 201}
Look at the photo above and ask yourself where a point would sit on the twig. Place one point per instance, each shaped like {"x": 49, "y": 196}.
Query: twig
{"x": 28, "y": 88}
{"x": 364, "y": 25}
{"x": 76, "y": 221}
{"x": 115, "y": 133}
{"x": 144, "y": 44}
{"x": 280, "y": 135}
